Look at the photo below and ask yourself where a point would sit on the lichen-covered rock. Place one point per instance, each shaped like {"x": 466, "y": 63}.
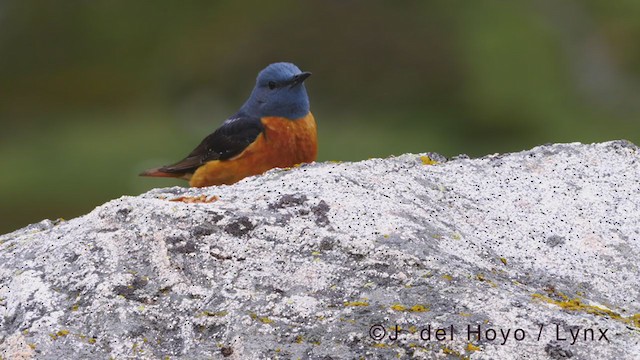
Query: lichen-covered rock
{"x": 527, "y": 255}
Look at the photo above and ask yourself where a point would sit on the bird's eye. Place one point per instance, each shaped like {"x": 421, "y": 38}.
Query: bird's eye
{"x": 272, "y": 85}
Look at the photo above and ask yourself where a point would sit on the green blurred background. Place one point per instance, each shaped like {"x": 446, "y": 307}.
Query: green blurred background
{"x": 93, "y": 92}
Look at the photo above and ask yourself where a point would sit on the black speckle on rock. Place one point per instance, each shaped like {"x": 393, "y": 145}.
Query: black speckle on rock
{"x": 124, "y": 290}
{"x": 283, "y": 219}
{"x": 95, "y": 249}
{"x": 326, "y": 244}
{"x": 320, "y": 211}
{"x": 357, "y": 257}
{"x": 556, "y": 352}
{"x": 71, "y": 257}
{"x": 128, "y": 291}
{"x": 215, "y": 217}
{"x": 121, "y": 214}
{"x": 623, "y": 144}
{"x": 226, "y": 351}
{"x": 187, "y": 248}
{"x": 220, "y": 256}
{"x": 180, "y": 244}
{"x": 203, "y": 230}
{"x": 239, "y": 227}
{"x": 554, "y": 240}
{"x": 289, "y": 200}
{"x": 173, "y": 240}
{"x": 139, "y": 282}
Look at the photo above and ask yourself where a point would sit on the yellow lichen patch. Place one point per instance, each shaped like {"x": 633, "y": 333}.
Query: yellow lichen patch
{"x": 456, "y": 236}
{"x": 32, "y": 345}
{"x": 379, "y": 345}
{"x": 350, "y": 321}
{"x": 447, "y": 277}
{"x": 74, "y": 308}
{"x": 419, "y": 308}
{"x": 450, "y": 351}
{"x": 464, "y": 314}
{"x": 262, "y": 319}
{"x": 576, "y": 304}
{"x": 362, "y": 302}
{"x": 414, "y": 308}
{"x": 471, "y": 347}
{"x": 63, "y": 332}
{"x": 427, "y": 160}
{"x": 413, "y": 329}
{"x": 482, "y": 278}
{"x": 395, "y": 328}
{"x": 503, "y": 260}
{"x": 91, "y": 340}
{"x": 315, "y": 253}
{"x": 299, "y": 339}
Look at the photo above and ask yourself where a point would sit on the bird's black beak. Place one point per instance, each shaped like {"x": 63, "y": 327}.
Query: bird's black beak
{"x": 298, "y": 79}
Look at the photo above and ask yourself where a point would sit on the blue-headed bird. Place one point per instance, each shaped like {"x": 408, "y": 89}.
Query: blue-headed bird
{"x": 274, "y": 128}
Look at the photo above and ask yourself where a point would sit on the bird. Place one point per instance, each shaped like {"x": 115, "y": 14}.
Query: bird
{"x": 274, "y": 128}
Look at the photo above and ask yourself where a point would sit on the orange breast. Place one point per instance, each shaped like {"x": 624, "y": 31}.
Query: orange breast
{"x": 283, "y": 143}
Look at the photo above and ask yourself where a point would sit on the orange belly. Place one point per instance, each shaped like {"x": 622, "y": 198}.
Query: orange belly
{"x": 283, "y": 143}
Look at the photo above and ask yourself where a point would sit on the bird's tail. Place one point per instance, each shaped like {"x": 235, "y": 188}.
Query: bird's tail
{"x": 157, "y": 172}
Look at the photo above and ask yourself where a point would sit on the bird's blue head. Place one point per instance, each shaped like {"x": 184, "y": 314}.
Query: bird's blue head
{"x": 279, "y": 91}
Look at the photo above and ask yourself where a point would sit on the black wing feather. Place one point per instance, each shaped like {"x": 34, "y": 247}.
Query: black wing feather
{"x": 227, "y": 141}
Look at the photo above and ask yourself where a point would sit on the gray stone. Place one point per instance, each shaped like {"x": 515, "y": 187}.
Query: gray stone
{"x": 317, "y": 261}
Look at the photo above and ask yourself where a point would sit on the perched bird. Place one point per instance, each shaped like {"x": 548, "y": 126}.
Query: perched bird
{"x": 274, "y": 128}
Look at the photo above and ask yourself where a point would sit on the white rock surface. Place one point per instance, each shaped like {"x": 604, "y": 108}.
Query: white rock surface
{"x": 303, "y": 263}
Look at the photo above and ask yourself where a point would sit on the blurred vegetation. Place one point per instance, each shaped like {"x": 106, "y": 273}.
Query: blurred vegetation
{"x": 93, "y": 92}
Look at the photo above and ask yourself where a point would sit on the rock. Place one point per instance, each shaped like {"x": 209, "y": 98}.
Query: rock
{"x": 508, "y": 255}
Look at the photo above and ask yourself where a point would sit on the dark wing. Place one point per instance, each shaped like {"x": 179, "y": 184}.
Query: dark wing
{"x": 227, "y": 141}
